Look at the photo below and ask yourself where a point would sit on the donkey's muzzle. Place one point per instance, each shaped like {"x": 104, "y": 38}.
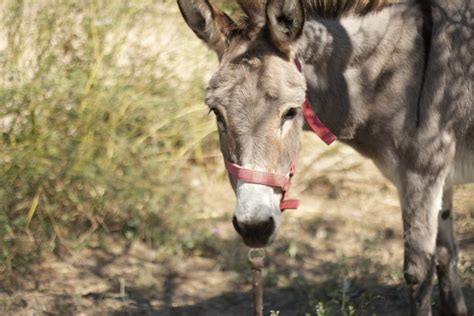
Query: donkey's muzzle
{"x": 255, "y": 235}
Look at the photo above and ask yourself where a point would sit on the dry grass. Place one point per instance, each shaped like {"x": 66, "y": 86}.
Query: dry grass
{"x": 102, "y": 122}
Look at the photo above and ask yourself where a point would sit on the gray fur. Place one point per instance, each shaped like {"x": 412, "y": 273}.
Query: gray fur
{"x": 363, "y": 75}
{"x": 449, "y": 282}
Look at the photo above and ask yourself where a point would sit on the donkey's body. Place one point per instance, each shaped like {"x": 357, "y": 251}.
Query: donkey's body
{"x": 364, "y": 76}
{"x": 395, "y": 84}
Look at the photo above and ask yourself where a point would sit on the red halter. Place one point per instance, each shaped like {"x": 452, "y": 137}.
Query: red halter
{"x": 279, "y": 180}
{"x": 267, "y": 178}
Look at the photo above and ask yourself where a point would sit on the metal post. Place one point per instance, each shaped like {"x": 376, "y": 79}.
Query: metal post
{"x": 256, "y": 259}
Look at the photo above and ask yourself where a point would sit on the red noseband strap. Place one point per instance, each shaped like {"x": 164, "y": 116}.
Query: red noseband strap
{"x": 279, "y": 180}
{"x": 266, "y": 178}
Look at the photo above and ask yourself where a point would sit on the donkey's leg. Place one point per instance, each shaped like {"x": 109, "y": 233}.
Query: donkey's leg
{"x": 452, "y": 299}
{"x": 421, "y": 196}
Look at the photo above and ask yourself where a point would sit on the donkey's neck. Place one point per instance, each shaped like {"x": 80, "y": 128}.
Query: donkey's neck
{"x": 356, "y": 66}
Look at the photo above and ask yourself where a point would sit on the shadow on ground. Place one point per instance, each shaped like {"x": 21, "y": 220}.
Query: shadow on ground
{"x": 322, "y": 264}
{"x": 355, "y": 285}
{"x": 378, "y": 300}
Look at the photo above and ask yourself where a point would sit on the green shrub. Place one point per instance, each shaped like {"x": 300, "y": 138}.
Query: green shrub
{"x": 101, "y": 121}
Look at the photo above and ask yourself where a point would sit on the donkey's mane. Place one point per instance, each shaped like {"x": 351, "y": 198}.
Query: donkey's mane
{"x": 326, "y": 8}
{"x": 336, "y": 8}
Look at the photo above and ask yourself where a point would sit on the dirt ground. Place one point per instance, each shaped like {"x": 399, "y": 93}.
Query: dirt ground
{"x": 340, "y": 253}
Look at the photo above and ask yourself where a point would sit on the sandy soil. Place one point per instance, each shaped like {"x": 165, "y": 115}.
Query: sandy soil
{"x": 341, "y": 252}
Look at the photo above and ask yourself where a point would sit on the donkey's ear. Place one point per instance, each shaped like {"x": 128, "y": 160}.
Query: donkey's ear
{"x": 208, "y": 22}
{"x": 285, "y": 20}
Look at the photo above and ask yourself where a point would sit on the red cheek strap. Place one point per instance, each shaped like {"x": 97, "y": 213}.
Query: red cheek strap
{"x": 313, "y": 120}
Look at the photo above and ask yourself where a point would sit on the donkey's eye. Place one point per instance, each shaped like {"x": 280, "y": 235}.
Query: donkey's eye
{"x": 219, "y": 118}
{"x": 289, "y": 114}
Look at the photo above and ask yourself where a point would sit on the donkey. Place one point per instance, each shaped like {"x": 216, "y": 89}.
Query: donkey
{"x": 391, "y": 79}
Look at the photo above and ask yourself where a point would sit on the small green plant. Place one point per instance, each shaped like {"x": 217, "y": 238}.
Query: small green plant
{"x": 350, "y": 310}
{"x": 320, "y": 309}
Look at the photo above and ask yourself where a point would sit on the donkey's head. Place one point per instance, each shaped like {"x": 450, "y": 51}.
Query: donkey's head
{"x": 256, "y": 96}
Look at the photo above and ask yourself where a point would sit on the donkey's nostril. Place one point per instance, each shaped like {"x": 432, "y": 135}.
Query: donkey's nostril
{"x": 269, "y": 226}
{"x": 237, "y": 227}
{"x": 255, "y": 234}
